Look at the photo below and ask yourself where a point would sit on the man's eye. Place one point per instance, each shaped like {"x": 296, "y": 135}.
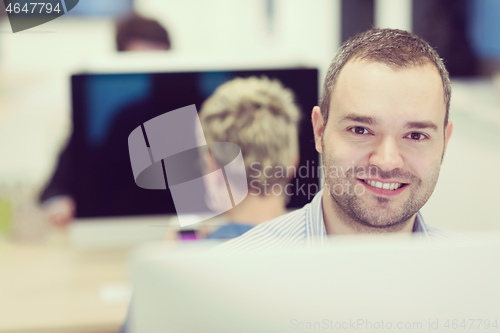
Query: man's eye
{"x": 359, "y": 130}
{"x": 416, "y": 136}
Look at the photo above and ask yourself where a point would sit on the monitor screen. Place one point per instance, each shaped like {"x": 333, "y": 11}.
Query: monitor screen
{"x": 108, "y": 107}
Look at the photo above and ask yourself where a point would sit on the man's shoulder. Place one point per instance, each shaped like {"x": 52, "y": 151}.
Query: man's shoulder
{"x": 285, "y": 230}
{"x": 230, "y": 230}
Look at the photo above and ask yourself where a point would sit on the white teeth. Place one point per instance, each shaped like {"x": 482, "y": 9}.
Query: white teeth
{"x": 385, "y": 186}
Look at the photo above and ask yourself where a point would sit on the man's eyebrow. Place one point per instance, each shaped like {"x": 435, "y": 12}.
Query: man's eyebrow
{"x": 360, "y": 119}
{"x": 421, "y": 125}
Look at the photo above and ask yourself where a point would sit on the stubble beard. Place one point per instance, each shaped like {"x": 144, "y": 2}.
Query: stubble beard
{"x": 356, "y": 212}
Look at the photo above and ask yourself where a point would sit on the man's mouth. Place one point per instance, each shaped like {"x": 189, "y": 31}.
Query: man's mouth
{"x": 384, "y": 186}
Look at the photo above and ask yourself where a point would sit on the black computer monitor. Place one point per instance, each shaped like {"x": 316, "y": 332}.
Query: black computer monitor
{"x": 107, "y": 107}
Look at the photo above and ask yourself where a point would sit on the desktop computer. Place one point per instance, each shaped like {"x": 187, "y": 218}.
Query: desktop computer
{"x": 107, "y": 107}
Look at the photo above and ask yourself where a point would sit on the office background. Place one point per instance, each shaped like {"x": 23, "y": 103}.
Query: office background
{"x": 52, "y": 285}
{"x": 35, "y": 66}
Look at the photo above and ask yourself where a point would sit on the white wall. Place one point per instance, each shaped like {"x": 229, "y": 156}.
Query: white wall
{"x": 34, "y": 91}
{"x": 393, "y": 14}
{"x": 467, "y": 194}
{"x": 227, "y": 26}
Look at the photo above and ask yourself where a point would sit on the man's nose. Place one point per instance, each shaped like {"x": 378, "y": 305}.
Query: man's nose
{"x": 387, "y": 155}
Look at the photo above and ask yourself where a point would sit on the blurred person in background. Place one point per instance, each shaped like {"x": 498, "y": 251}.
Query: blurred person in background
{"x": 133, "y": 33}
{"x": 137, "y": 33}
{"x": 261, "y": 117}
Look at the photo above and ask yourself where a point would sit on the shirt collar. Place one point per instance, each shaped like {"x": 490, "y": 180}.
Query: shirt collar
{"x": 315, "y": 226}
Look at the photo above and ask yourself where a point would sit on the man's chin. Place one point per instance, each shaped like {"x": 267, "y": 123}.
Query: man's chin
{"x": 380, "y": 216}
{"x": 382, "y": 224}
{"x": 373, "y": 213}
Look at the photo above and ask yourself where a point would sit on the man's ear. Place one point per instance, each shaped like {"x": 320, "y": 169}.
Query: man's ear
{"x": 318, "y": 123}
{"x": 447, "y": 134}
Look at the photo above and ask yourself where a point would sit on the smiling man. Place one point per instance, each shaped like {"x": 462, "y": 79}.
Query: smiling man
{"x": 382, "y": 128}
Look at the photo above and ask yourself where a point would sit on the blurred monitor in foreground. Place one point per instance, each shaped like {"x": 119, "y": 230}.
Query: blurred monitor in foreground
{"x": 369, "y": 283}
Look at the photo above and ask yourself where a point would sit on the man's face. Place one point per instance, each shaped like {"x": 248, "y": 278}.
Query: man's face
{"x": 385, "y": 129}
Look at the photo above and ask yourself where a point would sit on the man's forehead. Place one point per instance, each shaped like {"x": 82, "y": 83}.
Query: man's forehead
{"x": 377, "y": 89}
{"x": 359, "y": 68}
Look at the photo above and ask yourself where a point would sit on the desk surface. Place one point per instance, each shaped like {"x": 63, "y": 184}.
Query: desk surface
{"x": 53, "y": 288}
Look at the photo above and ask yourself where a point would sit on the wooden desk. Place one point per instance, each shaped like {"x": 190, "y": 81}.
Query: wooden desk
{"x": 52, "y": 288}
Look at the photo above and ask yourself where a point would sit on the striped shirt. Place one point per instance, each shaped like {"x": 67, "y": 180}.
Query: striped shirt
{"x": 305, "y": 227}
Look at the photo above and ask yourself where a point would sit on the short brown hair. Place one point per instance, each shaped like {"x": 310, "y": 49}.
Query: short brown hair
{"x": 261, "y": 117}
{"x": 136, "y": 27}
{"x": 396, "y": 48}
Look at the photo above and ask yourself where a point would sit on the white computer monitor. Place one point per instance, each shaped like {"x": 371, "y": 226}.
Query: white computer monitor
{"x": 354, "y": 285}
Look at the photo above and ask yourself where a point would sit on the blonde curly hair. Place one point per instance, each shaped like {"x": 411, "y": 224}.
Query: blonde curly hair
{"x": 261, "y": 117}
